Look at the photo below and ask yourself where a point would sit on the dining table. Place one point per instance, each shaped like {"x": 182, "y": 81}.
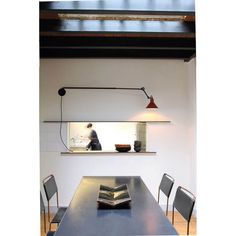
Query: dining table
{"x": 84, "y": 217}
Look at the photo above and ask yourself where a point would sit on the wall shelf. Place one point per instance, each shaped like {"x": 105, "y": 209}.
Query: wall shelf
{"x": 71, "y": 121}
{"x": 105, "y": 153}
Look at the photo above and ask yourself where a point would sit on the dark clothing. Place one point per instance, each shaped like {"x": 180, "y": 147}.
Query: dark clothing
{"x": 94, "y": 143}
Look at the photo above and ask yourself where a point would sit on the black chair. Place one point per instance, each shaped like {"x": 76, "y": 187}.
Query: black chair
{"x": 42, "y": 209}
{"x": 184, "y": 202}
{"x": 165, "y": 186}
{"x": 50, "y": 188}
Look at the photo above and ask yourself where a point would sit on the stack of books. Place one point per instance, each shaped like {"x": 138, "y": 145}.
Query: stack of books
{"x": 117, "y": 197}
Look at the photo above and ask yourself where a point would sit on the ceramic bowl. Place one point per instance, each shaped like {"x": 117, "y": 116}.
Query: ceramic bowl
{"x": 123, "y": 147}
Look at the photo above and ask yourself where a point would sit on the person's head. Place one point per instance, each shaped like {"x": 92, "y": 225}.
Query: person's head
{"x": 89, "y": 125}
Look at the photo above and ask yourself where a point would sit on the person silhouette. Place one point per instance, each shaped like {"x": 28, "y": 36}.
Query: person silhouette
{"x": 94, "y": 143}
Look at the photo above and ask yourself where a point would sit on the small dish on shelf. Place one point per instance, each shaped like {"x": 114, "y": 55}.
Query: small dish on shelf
{"x": 123, "y": 147}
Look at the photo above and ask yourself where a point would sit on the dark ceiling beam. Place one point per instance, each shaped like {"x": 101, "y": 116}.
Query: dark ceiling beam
{"x": 116, "y": 47}
{"x": 114, "y": 53}
{"x": 119, "y": 47}
{"x": 190, "y": 58}
{"x": 117, "y": 41}
{"x": 117, "y": 35}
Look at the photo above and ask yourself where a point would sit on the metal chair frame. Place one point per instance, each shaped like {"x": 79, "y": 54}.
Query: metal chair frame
{"x": 51, "y": 195}
{"x": 191, "y": 198}
{"x": 161, "y": 188}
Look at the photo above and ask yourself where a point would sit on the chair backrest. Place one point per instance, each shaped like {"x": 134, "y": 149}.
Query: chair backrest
{"x": 50, "y": 186}
{"x": 184, "y": 202}
{"x": 42, "y": 206}
{"x": 166, "y": 184}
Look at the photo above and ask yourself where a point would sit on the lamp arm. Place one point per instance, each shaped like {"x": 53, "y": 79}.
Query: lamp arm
{"x": 143, "y": 89}
{"x": 62, "y": 91}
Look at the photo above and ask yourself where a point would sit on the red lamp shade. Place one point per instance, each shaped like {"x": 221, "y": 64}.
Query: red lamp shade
{"x": 151, "y": 103}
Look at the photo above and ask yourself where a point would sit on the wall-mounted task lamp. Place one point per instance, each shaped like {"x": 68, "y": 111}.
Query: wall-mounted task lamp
{"x": 62, "y": 92}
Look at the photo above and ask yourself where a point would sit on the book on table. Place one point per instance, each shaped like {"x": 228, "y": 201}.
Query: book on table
{"x": 114, "y": 197}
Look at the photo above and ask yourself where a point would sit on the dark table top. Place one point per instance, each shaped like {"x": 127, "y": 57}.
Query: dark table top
{"x": 145, "y": 217}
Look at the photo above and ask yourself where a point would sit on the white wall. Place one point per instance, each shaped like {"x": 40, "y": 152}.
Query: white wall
{"x": 169, "y": 81}
{"x": 192, "y": 122}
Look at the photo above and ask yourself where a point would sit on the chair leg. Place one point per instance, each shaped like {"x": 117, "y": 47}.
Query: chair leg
{"x": 167, "y": 206}
{"x": 57, "y": 201}
{"x": 158, "y": 195}
{"x": 48, "y": 213}
{"x": 188, "y": 228}
{"x": 44, "y": 217}
{"x": 49, "y": 226}
{"x": 173, "y": 212}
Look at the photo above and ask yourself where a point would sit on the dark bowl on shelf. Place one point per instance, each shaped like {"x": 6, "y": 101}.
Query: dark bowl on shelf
{"x": 123, "y": 147}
